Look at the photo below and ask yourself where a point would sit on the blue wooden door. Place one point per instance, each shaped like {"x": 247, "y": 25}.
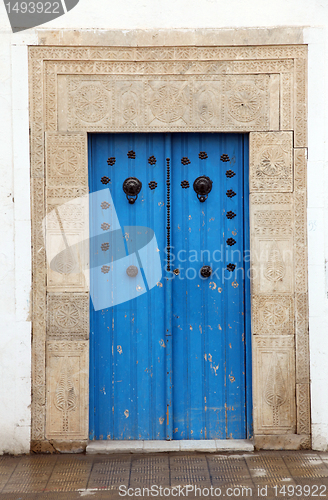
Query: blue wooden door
{"x": 169, "y": 341}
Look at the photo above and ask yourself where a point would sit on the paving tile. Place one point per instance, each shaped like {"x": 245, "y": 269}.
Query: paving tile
{"x": 100, "y": 476}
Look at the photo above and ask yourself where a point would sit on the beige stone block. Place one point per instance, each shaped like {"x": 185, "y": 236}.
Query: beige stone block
{"x": 66, "y": 229}
{"x": 271, "y": 161}
{"x": 303, "y": 408}
{"x": 272, "y": 265}
{"x": 246, "y": 103}
{"x": 208, "y": 103}
{"x": 89, "y": 104}
{"x": 68, "y": 316}
{"x": 302, "y": 339}
{"x": 274, "y": 100}
{"x": 67, "y": 391}
{"x": 286, "y": 442}
{"x": 272, "y": 315}
{"x": 66, "y": 160}
{"x": 300, "y": 159}
{"x": 300, "y": 107}
{"x": 274, "y": 384}
{"x": 237, "y": 36}
{"x": 286, "y": 100}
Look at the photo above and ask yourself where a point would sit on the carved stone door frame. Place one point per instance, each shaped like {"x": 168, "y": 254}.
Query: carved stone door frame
{"x": 255, "y": 89}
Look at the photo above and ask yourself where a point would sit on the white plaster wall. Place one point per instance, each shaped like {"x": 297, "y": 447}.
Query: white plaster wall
{"x": 15, "y": 268}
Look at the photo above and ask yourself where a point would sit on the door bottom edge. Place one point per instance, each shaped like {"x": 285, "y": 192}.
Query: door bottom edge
{"x": 158, "y": 446}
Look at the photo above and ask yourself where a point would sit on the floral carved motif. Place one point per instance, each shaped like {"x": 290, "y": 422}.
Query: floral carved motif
{"x": 245, "y": 103}
{"x": 271, "y": 162}
{"x": 68, "y": 315}
{"x": 273, "y": 315}
{"x": 91, "y": 103}
{"x": 168, "y": 103}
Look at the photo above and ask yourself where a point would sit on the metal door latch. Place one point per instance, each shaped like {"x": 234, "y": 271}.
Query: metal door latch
{"x": 132, "y": 187}
{"x": 202, "y": 186}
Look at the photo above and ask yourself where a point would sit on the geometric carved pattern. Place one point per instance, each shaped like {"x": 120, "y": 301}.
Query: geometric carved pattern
{"x": 115, "y": 89}
{"x": 152, "y": 104}
{"x": 67, "y": 390}
{"x": 273, "y": 315}
{"x": 88, "y": 104}
{"x": 68, "y": 316}
{"x": 303, "y": 408}
{"x": 66, "y": 160}
{"x": 273, "y": 222}
{"x": 274, "y": 384}
{"x": 271, "y": 161}
{"x": 302, "y": 339}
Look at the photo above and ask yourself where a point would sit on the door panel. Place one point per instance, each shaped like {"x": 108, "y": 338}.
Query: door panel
{"x": 127, "y": 364}
{"x": 132, "y": 395}
{"x": 208, "y": 314}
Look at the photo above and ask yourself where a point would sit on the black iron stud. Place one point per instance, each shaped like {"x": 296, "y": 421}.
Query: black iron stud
{"x": 152, "y": 185}
{"x": 152, "y": 160}
{"x": 185, "y": 184}
{"x": 230, "y": 173}
{"x": 111, "y": 161}
{"x": 231, "y": 267}
{"x": 105, "y": 247}
{"x": 225, "y": 158}
{"x": 230, "y": 193}
{"x": 230, "y": 215}
{"x": 231, "y": 242}
{"x": 185, "y": 161}
{"x": 105, "y": 179}
{"x": 131, "y": 154}
{"x": 203, "y": 155}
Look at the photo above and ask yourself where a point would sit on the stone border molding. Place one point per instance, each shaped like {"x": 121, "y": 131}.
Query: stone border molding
{"x": 257, "y": 89}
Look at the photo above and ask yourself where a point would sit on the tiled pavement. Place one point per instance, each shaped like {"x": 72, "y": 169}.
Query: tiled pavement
{"x": 284, "y": 474}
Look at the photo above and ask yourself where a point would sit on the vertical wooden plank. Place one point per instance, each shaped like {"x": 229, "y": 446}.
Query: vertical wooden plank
{"x": 168, "y": 294}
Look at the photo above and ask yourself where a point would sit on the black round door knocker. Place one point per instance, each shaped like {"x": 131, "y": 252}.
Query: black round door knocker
{"x": 202, "y": 186}
{"x": 132, "y": 187}
{"x": 206, "y": 271}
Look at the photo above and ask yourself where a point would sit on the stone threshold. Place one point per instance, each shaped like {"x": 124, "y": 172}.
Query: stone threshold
{"x": 204, "y": 445}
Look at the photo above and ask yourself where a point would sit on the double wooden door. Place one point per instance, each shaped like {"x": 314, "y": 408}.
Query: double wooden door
{"x": 169, "y": 286}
